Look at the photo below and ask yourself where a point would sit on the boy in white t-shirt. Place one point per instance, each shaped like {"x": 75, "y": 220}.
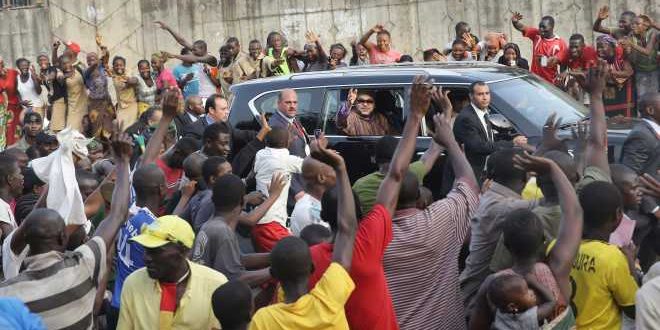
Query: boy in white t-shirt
{"x": 274, "y": 158}
{"x": 317, "y": 178}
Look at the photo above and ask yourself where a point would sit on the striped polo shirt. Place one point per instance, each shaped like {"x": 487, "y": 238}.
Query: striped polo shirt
{"x": 421, "y": 262}
{"x": 61, "y": 287}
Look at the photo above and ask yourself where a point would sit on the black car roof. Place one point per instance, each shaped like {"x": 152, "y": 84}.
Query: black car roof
{"x": 460, "y": 73}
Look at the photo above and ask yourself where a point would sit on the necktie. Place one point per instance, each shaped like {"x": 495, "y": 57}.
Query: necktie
{"x": 489, "y": 128}
{"x": 299, "y": 130}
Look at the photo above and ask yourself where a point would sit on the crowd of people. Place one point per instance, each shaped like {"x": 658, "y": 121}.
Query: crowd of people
{"x": 129, "y": 201}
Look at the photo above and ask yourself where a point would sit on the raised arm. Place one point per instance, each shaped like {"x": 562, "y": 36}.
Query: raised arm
{"x": 547, "y": 303}
{"x": 178, "y": 37}
{"x": 170, "y": 105}
{"x": 596, "y": 150}
{"x": 603, "y": 14}
{"x": 420, "y": 99}
{"x": 445, "y": 137}
{"x": 347, "y": 220}
{"x": 53, "y": 55}
{"x": 314, "y": 38}
{"x": 515, "y": 20}
{"x": 563, "y": 253}
{"x": 364, "y": 41}
{"x": 208, "y": 58}
{"x": 277, "y": 184}
{"x": 122, "y": 145}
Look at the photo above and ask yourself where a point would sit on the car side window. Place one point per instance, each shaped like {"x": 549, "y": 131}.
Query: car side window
{"x": 375, "y": 112}
{"x": 309, "y": 107}
{"x": 459, "y": 98}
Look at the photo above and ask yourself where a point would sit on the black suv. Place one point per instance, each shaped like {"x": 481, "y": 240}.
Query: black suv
{"x": 522, "y": 100}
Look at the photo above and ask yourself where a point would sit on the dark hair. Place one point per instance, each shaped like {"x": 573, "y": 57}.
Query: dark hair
{"x": 212, "y": 131}
{"x": 22, "y": 59}
{"x": 629, "y": 13}
{"x": 210, "y": 101}
{"x": 475, "y": 84}
{"x": 385, "y": 147}
{"x": 201, "y": 43}
{"x": 646, "y": 101}
{"x": 290, "y": 260}
{"x": 384, "y": 32}
{"x": 458, "y": 42}
{"x": 30, "y": 180}
{"x": 254, "y": 41}
{"x": 314, "y": 234}
{"x": 576, "y": 36}
{"x": 459, "y": 26}
{"x": 185, "y": 51}
{"x": 45, "y": 138}
{"x": 271, "y": 35}
{"x": 232, "y": 304}
{"x": 82, "y": 175}
{"x": 187, "y": 145}
{"x": 429, "y": 53}
{"x": 499, "y": 167}
{"x": 277, "y": 138}
{"x": 145, "y": 180}
{"x": 232, "y": 40}
{"x": 32, "y": 114}
{"x": 340, "y": 47}
{"x": 329, "y": 207}
{"x": 565, "y": 163}
{"x": 32, "y": 152}
{"x": 522, "y": 233}
{"x": 619, "y": 172}
{"x": 228, "y": 192}
{"x": 502, "y": 288}
{"x": 513, "y": 46}
{"x": 24, "y": 206}
{"x": 600, "y": 202}
{"x": 7, "y": 163}
{"x": 210, "y": 167}
{"x": 118, "y": 58}
{"x": 409, "y": 191}
{"x": 550, "y": 20}
{"x": 405, "y": 58}
{"x": 143, "y": 61}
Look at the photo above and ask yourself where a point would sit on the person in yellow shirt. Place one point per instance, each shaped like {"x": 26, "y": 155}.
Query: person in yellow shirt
{"x": 170, "y": 292}
{"x": 603, "y": 284}
{"x": 291, "y": 264}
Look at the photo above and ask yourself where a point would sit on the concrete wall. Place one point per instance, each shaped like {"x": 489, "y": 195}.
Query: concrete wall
{"x": 128, "y": 29}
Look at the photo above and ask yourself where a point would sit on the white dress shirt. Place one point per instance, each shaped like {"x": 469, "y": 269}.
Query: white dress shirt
{"x": 482, "y": 117}
{"x": 269, "y": 161}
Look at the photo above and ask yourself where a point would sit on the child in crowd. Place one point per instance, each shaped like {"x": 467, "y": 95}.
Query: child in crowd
{"x": 315, "y": 234}
{"x": 516, "y": 301}
{"x": 458, "y": 52}
{"x": 274, "y": 158}
{"x": 233, "y": 306}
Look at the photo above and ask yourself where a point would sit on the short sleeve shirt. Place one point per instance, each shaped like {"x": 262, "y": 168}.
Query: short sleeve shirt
{"x": 378, "y": 57}
{"x": 588, "y": 59}
{"x": 216, "y": 246}
{"x": 602, "y": 284}
{"x": 554, "y": 47}
{"x": 321, "y": 308}
{"x": 172, "y": 176}
{"x": 366, "y": 187}
{"x": 192, "y": 86}
{"x": 370, "y": 305}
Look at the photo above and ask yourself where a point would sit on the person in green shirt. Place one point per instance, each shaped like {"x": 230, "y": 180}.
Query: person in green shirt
{"x": 366, "y": 187}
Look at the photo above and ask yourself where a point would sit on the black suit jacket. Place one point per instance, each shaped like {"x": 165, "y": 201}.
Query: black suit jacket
{"x": 239, "y": 138}
{"x": 469, "y": 132}
{"x": 297, "y": 147}
{"x": 181, "y": 121}
{"x": 641, "y": 150}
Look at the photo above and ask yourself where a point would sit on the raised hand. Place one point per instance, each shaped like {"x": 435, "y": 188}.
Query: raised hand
{"x": 469, "y": 41}
{"x": 352, "y": 96}
{"x": 99, "y": 40}
{"x": 254, "y": 198}
{"x": 550, "y": 140}
{"x": 440, "y": 98}
{"x": 529, "y": 163}
{"x": 189, "y": 188}
{"x": 122, "y": 143}
{"x": 277, "y": 184}
{"x": 597, "y": 77}
{"x": 160, "y": 25}
{"x": 378, "y": 28}
{"x": 56, "y": 44}
{"x": 170, "y": 102}
{"x": 516, "y": 17}
{"x": 311, "y": 37}
{"x": 603, "y": 13}
{"x": 443, "y": 134}
{"x": 649, "y": 185}
{"x": 320, "y": 152}
{"x": 420, "y": 95}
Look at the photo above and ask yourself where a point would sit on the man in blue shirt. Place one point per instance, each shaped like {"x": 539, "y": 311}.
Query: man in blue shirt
{"x": 150, "y": 189}
{"x": 186, "y": 75}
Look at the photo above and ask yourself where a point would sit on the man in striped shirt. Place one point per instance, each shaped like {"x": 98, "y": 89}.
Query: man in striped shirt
{"x": 421, "y": 261}
{"x": 61, "y": 285}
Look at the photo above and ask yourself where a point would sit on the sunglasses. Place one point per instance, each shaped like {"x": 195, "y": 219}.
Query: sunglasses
{"x": 367, "y": 101}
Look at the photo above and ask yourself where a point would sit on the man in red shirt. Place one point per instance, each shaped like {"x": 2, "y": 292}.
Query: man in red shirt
{"x": 370, "y": 305}
{"x": 548, "y": 50}
{"x": 580, "y": 58}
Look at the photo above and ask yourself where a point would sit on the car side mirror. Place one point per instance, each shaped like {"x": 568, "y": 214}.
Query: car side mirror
{"x": 502, "y": 127}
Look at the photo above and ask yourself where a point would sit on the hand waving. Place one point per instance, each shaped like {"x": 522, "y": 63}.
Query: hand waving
{"x": 122, "y": 143}
{"x": 603, "y": 12}
{"x": 516, "y": 17}
{"x": 420, "y": 95}
{"x": 352, "y": 96}
{"x": 320, "y": 152}
{"x": 443, "y": 134}
{"x": 441, "y": 100}
{"x": 532, "y": 164}
{"x": 170, "y": 103}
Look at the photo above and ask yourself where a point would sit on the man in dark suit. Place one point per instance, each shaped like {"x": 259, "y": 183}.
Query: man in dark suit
{"x": 473, "y": 130}
{"x": 193, "y": 111}
{"x": 641, "y": 153}
{"x": 285, "y": 117}
{"x": 217, "y": 111}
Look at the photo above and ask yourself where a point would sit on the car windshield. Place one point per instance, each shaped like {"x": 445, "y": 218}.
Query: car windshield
{"x": 528, "y": 101}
